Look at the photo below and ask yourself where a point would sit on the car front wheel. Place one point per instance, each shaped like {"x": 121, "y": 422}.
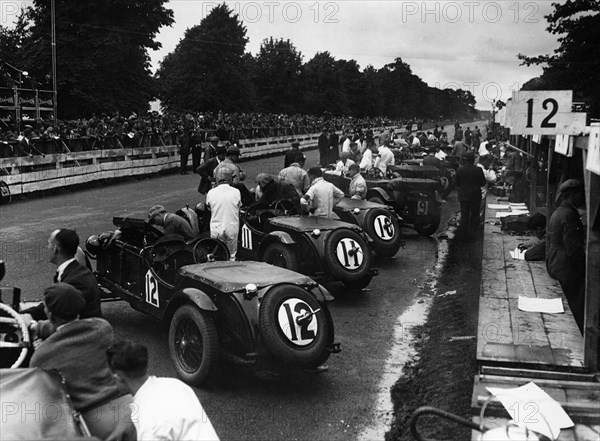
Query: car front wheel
{"x": 193, "y": 344}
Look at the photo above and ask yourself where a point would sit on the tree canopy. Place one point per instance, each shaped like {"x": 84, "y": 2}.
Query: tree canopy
{"x": 575, "y": 64}
{"x": 206, "y": 69}
{"x": 102, "y": 52}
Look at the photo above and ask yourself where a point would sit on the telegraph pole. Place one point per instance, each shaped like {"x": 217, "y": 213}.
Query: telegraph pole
{"x": 53, "y": 44}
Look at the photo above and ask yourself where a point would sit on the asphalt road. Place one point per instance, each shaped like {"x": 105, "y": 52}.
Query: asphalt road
{"x": 336, "y": 405}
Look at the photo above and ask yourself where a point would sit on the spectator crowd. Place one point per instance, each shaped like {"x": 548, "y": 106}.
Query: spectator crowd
{"x": 155, "y": 129}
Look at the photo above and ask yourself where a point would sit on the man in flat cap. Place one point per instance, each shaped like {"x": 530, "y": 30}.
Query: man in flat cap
{"x": 171, "y": 223}
{"x": 273, "y": 191}
{"x": 77, "y": 349}
{"x": 469, "y": 180}
{"x": 224, "y": 202}
{"x": 565, "y": 257}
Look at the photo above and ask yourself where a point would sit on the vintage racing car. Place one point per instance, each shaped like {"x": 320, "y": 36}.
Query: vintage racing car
{"x": 379, "y": 221}
{"x": 247, "y": 312}
{"x": 324, "y": 249}
{"x": 415, "y": 200}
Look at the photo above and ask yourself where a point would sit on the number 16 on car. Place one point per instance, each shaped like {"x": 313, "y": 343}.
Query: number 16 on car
{"x": 544, "y": 112}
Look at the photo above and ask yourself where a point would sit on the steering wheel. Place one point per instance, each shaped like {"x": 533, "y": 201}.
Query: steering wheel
{"x": 18, "y": 322}
{"x": 208, "y": 249}
{"x": 286, "y": 206}
{"x": 376, "y": 173}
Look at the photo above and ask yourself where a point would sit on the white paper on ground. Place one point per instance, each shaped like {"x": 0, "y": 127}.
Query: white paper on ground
{"x": 518, "y": 254}
{"x": 498, "y": 206}
{"x": 530, "y": 406}
{"x": 548, "y": 306}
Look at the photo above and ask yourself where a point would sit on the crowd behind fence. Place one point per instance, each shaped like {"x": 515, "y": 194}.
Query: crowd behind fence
{"x": 153, "y": 129}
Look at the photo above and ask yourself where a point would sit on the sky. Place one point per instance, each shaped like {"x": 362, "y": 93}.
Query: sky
{"x": 471, "y": 45}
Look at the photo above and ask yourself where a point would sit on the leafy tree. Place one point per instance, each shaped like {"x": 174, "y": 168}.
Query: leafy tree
{"x": 321, "y": 86}
{"x": 276, "y": 76}
{"x": 575, "y": 63}
{"x": 102, "y": 58}
{"x": 207, "y": 69}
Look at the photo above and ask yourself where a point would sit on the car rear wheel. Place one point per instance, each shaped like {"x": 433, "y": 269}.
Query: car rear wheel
{"x": 427, "y": 225}
{"x": 347, "y": 255}
{"x": 193, "y": 344}
{"x": 383, "y": 227}
{"x": 281, "y": 255}
{"x": 295, "y": 327}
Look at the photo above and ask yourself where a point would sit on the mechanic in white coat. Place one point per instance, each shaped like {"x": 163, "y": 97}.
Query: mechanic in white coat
{"x": 224, "y": 203}
{"x": 386, "y": 157}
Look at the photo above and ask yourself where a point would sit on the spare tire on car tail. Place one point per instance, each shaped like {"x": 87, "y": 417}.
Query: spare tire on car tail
{"x": 289, "y": 337}
{"x": 347, "y": 255}
{"x": 383, "y": 227}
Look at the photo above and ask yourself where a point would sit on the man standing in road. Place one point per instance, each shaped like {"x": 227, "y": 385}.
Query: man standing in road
{"x": 291, "y": 154}
{"x": 565, "y": 259}
{"x": 296, "y": 175}
{"x": 211, "y": 149}
{"x": 322, "y": 196}
{"x": 206, "y": 171}
{"x": 237, "y": 175}
{"x": 184, "y": 150}
{"x": 224, "y": 202}
{"x": 323, "y": 145}
{"x": 164, "y": 408}
{"x": 333, "y": 152}
{"x": 196, "y": 146}
{"x": 469, "y": 180}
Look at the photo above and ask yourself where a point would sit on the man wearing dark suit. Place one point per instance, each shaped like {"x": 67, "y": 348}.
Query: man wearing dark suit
{"x": 207, "y": 170}
{"x": 333, "y": 152}
{"x": 469, "y": 180}
{"x": 291, "y": 154}
{"x": 323, "y": 144}
{"x": 62, "y": 245}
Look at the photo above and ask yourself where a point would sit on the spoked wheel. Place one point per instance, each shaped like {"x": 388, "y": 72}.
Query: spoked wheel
{"x": 4, "y": 193}
{"x": 427, "y": 225}
{"x": 208, "y": 249}
{"x": 12, "y": 340}
{"x": 193, "y": 344}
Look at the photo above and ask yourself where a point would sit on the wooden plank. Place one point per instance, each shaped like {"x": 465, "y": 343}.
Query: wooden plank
{"x": 539, "y": 374}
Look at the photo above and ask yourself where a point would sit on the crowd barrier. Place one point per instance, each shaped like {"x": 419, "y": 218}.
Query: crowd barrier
{"x": 28, "y": 174}
{"x": 45, "y": 146}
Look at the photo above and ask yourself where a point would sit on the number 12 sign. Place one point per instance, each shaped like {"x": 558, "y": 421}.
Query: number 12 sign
{"x": 544, "y": 112}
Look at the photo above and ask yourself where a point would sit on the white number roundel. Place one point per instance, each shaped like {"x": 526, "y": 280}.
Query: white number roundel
{"x": 349, "y": 254}
{"x": 383, "y": 227}
{"x": 300, "y": 334}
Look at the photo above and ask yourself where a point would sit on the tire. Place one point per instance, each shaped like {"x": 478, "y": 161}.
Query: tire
{"x": 281, "y": 255}
{"x": 347, "y": 255}
{"x": 193, "y": 344}
{"x": 304, "y": 346}
{"x": 4, "y": 193}
{"x": 361, "y": 284}
{"x": 383, "y": 227}
{"x": 427, "y": 225}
